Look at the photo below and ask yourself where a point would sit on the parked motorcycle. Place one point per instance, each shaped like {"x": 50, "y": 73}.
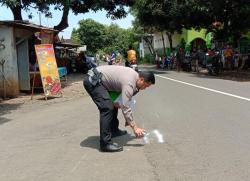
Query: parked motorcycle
{"x": 186, "y": 64}
{"x": 214, "y": 64}
{"x": 132, "y": 65}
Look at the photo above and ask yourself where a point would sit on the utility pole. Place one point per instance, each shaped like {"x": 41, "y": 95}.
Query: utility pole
{"x": 40, "y": 21}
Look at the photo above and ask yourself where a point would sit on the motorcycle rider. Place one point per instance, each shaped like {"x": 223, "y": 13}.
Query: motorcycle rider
{"x": 131, "y": 60}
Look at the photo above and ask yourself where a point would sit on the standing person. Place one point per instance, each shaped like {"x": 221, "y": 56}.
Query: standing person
{"x": 97, "y": 56}
{"x": 81, "y": 63}
{"x": 118, "y": 59}
{"x": 179, "y": 58}
{"x": 157, "y": 62}
{"x": 120, "y": 79}
{"x": 112, "y": 58}
{"x": 107, "y": 58}
{"x": 228, "y": 54}
{"x": 195, "y": 60}
{"x": 131, "y": 57}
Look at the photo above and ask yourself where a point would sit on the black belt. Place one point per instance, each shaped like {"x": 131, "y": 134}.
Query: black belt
{"x": 94, "y": 76}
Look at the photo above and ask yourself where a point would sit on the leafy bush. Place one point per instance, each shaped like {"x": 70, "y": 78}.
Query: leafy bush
{"x": 148, "y": 59}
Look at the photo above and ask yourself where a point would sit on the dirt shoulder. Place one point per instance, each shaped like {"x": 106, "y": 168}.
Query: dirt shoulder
{"x": 71, "y": 89}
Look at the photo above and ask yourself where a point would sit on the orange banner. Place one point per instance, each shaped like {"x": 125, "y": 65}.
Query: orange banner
{"x": 48, "y": 69}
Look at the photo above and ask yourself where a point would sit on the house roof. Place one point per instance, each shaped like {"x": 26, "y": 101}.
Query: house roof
{"x": 26, "y": 25}
{"x": 69, "y": 45}
{"x": 66, "y": 40}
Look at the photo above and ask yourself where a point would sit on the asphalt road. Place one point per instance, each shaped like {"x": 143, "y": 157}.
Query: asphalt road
{"x": 205, "y": 123}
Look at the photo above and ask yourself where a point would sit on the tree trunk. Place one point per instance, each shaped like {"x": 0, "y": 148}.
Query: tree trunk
{"x": 17, "y": 11}
{"x": 64, "y": 20}
{"x": 150, "y": 46}
{"x": 163, "y": 43}
{"x": 169, "y": 35}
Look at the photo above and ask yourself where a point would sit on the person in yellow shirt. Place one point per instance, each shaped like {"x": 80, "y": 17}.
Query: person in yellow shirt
{"x": 131, "y": 57}
{"x": 228, "y": 54}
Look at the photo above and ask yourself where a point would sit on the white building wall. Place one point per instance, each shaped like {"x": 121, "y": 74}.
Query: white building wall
{"x": 176, "y": 38}
{"x": 10, "y": 66}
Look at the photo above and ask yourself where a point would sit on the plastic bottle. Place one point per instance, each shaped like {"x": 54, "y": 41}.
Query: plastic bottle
{"x": 153, "y": 136}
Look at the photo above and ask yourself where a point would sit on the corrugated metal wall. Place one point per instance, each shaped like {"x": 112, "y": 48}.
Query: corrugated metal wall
{"x": 8, "y": 54}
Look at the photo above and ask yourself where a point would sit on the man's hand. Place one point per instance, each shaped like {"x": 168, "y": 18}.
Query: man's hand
{"x": 139, "y": 132}
{"x": 117, "y": 105}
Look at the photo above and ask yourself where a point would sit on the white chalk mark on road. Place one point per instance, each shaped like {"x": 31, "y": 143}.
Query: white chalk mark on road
{"x": 157, "y": 115}
{"x": 77, "y": 164}
{"x": 205, "y": 88}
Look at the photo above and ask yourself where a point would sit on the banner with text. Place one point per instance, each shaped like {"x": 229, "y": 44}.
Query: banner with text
{"x": 48, "y": 69}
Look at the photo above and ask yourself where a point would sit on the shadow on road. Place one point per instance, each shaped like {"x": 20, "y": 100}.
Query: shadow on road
{"x": 124, "y": 141}
{"x": 155, "y": 71}
{"x": 202, "y": 75}
{"x": 7, "y": 109}
{"x": 48, "y": 98}
{"x": 233, "y": 76}
{"x": 93, "y": 141}
{"x": 4, "y": 120}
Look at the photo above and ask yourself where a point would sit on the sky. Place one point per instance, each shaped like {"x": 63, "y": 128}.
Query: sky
{"x": 100, "y": 16}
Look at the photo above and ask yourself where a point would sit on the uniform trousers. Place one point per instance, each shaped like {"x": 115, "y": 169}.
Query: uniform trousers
{"x": 108, "y": 113}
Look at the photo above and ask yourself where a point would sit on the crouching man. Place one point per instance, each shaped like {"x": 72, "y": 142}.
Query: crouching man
{"x": 102, "y": 79}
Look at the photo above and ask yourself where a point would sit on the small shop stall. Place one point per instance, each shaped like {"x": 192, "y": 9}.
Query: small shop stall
{"x": 18, "y": 39}
{"x": 66, "y": 55}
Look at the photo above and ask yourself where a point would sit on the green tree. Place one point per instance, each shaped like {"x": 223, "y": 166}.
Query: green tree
{"x": 115, "y": 9}
{"x": 118, "y": 39}
{"x": 75, "y": 36}
{"x": 162, "y": 15}
{"x": 103, "y": 38}
{"x": 90, "y": 33}
{"x": 143, "y": 33}
{"x": 229, "y": 18}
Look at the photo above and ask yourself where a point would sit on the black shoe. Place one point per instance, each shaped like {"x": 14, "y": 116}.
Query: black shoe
{"x": 118, "y": 133}
{"x": 111, "y": 147}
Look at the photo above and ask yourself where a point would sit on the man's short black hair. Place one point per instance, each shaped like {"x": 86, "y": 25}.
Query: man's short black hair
{"x": 148, "y": 76}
